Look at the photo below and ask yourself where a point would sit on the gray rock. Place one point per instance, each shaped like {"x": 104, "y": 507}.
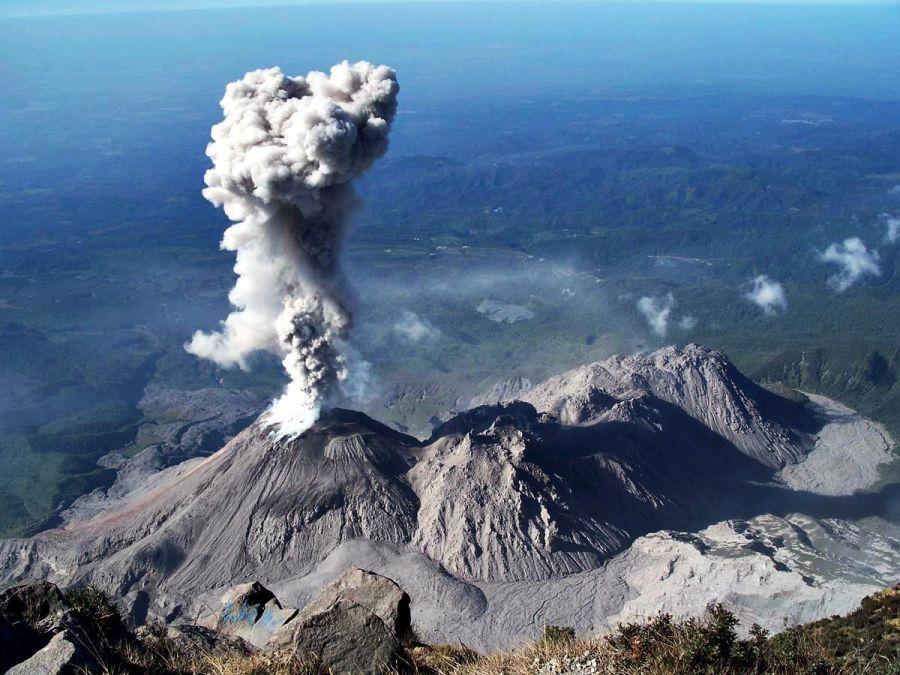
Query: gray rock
{"x": 701, "y": 382}
{"x": 378, "y": 594}
{"x": 40, "y": 605}
{"x": 48, "y": 636}
{"x": 252, "y": 613}
{"x": 62, "y": 656}
{"x": 346, "y": 638}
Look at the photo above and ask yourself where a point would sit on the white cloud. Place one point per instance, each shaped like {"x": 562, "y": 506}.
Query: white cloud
{"x": 893, "y": 227}
{"x": 411, "y": 327}
{"x": 854, "y": 260}
{"x": 687, "y": 323}
{"x": 657, "y": 311}
{"x": 767, "y": 294}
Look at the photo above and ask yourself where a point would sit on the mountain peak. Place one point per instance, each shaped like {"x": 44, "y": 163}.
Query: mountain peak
{"x": 528, "y": 490}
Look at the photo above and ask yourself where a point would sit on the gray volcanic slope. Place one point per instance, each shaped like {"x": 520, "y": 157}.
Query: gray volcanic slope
{"x": 516, "y": 513}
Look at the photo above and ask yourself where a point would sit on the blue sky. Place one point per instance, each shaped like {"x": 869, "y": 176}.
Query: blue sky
{"x": 19, "y": 8}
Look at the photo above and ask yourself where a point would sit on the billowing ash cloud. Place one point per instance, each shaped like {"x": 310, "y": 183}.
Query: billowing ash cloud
{"x": 893, "y": 227}
{"x": 284, "y": 158}
{"x": 657, "y": 311}
{"x": 854, "y": 260}
{"x": 767, "y": 294}
{"x": 413, "y": 328}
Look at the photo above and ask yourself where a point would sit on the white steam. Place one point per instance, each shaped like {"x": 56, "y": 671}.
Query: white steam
{"x": 893, "y": 227}
{"x": 657, "y": 312}
{"x": 413, "y": 328}
{"x": 854, "y": 260}
{"x": 283, "y": 160}
{"x": 687, "y": 322}
{"x": 767, "y": 294}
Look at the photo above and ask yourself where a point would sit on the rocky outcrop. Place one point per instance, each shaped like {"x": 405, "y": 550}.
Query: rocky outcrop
{"x": 495, "y": 507}
{"x": 356, "y": 624}
{"x": 701, "y": 382}
{"x": 63, "y": 655}
{"x": 250, "y": 612}
{"x": 41, "y": 633}
{"x": 376, "y": 593}
{"x": 195, "y": 639}
{"x": 347, "y": 638}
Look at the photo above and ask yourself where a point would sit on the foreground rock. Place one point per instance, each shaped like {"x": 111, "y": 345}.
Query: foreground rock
{"x": 40, "y": 632}
{"x": 62, "y": 655}
{"x": 355, "y": 624}
{"x": 375, "y": 593}
{"x": 252, "y": 613}
{"x": 194, "y": 639}
{"x": 346, "y": 638}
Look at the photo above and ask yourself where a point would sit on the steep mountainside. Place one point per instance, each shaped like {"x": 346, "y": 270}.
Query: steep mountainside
{"x": 701, "y": 382}
{"x": 499, "y": 495}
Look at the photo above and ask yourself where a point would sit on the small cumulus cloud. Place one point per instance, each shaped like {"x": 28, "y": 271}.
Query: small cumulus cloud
{"x": 893, "y": 227}
{"x": 657, "y": 312}
{"x": 854, "y": 261}
{"x": 767, "y": 294}
{"x": 687, "y": 322}
{"x": 412, "y": 328}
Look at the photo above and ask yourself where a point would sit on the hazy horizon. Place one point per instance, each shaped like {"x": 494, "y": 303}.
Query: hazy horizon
{"x": 50, "y": 8}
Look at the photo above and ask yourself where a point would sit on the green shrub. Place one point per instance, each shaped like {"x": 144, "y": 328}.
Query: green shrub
{"x": 93, "y": 608}
{"x": 558, "y": 634}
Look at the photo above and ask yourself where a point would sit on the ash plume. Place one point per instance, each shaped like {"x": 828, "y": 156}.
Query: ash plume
{"x": 284, "y": 159}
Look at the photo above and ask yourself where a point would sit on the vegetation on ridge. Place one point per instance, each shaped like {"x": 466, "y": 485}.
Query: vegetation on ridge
{"x": 867, "y": 641}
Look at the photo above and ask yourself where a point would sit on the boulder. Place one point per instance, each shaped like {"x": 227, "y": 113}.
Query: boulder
{"x": 356, "y": 624}
{"x": 30, "y": 615}
{"x": 380, "y": 595}
{"x": 41, "y": 606}
{"x": 250, "y": 612}
{"x": 63, "y": 655}
{"x": 345, "y": 638}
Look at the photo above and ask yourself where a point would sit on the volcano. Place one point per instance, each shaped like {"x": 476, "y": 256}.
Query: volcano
{"x": 569, "y": 505}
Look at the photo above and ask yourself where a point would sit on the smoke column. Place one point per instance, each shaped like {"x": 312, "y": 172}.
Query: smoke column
{"x": 284, "y": 158}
